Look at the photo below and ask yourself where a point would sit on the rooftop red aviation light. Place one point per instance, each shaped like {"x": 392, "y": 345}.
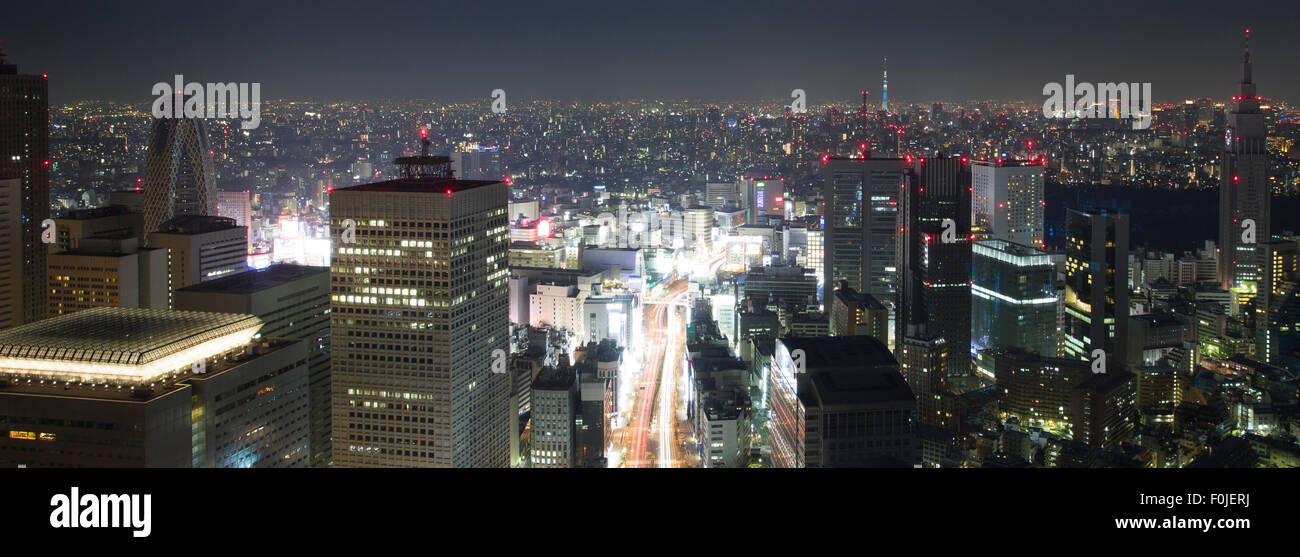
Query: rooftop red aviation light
{"x": 424, "y": 132}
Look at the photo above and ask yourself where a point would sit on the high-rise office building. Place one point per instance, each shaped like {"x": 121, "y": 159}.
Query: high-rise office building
{"x": 1277, "y": 305}
{"x": 698, "y": 223}
{"x": 934, "y": 255}
{"x": 858, "y": 313}
{"x": 25, "y": 156}
{"x": 178, "y": 175}
{"x": 555, "y": 400}
{"x": 1281, "y": 272}
{"x": 861, "y": 222}
{"x": 114, "y": 221}
{"x": 106, "y": 272}
{"x": 720, "y": 195}
{"x": 1013, "y": 298}
{"x": 11, "y": 253}
{"x": 1245, "y": 194}
{"x": 761, "y": 196}
{"x": 1284, "y": 327}
{"x": 816, "y": 258}
{"x": 1103, "y": 408}
{"x": 237, "y": 205}
{"x": 598, "y": 365}
{"x": 1036, "y": 389}
{"x": 784, "y": 287}
{"x": 119, "y": 387}
{"x": 1007, "y": 201}
{"x": 418, "y": 318}
{"x": 293, "y": 301}
{"x": 924, "y": 364}
{"x": 471, "y": 162}
{"x": 1096, "y": 286}
{"x": 1065, "y": 396}
{"x": 839, "y": 402}
{"x": 202, "y": 248}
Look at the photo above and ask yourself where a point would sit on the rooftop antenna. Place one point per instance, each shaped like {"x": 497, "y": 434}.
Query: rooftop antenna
{"x": 1246, "y": 61}
{"x": 425, "y": 165}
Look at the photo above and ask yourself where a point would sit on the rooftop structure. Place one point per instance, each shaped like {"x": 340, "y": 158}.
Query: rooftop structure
{"x": 120, "y": 344}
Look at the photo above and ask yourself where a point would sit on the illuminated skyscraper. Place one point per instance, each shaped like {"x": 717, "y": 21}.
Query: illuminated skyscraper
{"x": 555, "y": 402}
{"x": 1275, "y": 305}
{"x": 419, "y": 316}
{"x": 1096, "y": 285}
{"x": 1007, "y": 201}
{"x": 1245, "y": 196}
{"x": 293, "y": 302}
{"x": 923, "y": 358}
{"x": 25, "y": 156}
{"x": 1013, "y": 298}
{"x": 856, "y": 313}
{"x": 202, "y": 248}
{"x": 11, "y": 253}
{"x": 934, "y": 256}
{"x": 861, "y": 197}
{"x": 107, "y": 272}
{"x": 178, "y": 176}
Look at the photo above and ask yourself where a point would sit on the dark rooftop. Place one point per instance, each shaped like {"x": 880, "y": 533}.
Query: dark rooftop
{"x": 196, "y": 224}
{"x": 421, "y": 185}
{"x": 559, "y": 378}
{"x": 248, "y": 282}
{"x": 96, "y": 212}
{"x": 852, "y": 387}
{"x": 842, "y": 351}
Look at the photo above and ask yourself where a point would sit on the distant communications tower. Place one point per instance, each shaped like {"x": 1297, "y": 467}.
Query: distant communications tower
{"x": 884, "y": 86}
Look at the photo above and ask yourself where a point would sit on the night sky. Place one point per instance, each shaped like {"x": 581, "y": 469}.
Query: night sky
{"x": 708, "y": 50}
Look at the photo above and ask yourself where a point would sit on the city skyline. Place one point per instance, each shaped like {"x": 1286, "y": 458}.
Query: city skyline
{"x": 900, "y": 242}
{"x": 500, "y": 282}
